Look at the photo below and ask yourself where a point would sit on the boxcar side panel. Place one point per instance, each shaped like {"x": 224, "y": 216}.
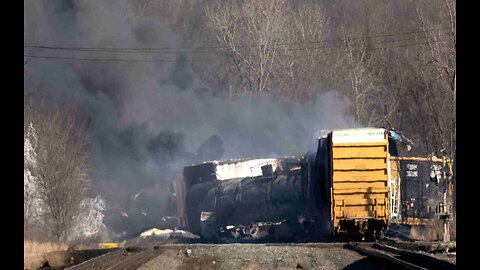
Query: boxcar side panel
{"x": 360, "y": 186}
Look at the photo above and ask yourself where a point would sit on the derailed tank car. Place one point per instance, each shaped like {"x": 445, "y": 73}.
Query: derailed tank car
{"x": 251, "y": 199}
{"x": 211, "y": 172}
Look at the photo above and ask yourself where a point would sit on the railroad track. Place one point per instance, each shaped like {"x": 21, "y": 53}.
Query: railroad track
{"x": 404, "y": 259}
{"x": 313, "y": 245}
{"x": 123, "y": 259}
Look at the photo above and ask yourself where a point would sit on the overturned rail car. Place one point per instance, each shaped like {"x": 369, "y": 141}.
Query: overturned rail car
{"x": 251, "y": 199}
{"x": 342, "y": 189}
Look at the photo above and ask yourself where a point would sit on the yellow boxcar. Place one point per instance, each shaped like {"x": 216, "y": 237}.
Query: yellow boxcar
{"x": 359, "y": 190}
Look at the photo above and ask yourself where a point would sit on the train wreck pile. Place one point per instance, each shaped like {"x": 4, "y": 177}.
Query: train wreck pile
{"x": 353, "y": 187}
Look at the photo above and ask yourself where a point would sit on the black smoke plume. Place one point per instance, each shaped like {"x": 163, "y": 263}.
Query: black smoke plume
{"x": 149, "y": 119}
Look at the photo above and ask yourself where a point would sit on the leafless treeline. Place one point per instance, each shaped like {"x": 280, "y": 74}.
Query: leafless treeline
{"x": 56, "y": 161}
{"x": 395, "y": 60}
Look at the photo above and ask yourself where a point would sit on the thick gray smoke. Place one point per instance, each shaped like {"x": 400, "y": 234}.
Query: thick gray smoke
{"x": 149, "y": 119}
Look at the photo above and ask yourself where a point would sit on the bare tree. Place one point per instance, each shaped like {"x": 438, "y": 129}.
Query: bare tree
{"x": 31, "y": 201}
{"x": 438, "y": 23}
{"x": 358, "y": 56}
{"x": 263, "y": 40}
{"x": 422, "y": 75}
{"x": 302, "y": 61}
{"x": 247, "y": 38}
{"x": 394, "y": 60}
{"x": 29, "y": 207}
{"x": 60, "y": 169}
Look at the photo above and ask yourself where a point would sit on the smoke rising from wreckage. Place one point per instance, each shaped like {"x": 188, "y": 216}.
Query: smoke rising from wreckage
{"x": 149, "y": 121}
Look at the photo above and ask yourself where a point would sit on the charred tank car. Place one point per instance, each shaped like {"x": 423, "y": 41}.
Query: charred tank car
{"x": 270, "y": 200}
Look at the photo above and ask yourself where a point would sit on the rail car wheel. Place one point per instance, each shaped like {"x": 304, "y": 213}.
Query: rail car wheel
{"x": 369, "y": 236}
{"x": 363, "y": 236}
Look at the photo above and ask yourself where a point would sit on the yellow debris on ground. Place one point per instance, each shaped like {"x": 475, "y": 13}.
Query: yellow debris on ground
{"x": 108, "y": 245}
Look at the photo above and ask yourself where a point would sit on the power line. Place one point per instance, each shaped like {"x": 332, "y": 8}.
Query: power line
{"x": 326, "y": 49}
{"x": 108, "y": 59}
{"x": 119, "y": 50}
{"x": 198, "y": 49}
{"x": 320, "y": 48}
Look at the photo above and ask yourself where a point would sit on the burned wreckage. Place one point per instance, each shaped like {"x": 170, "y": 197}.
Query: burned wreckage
{"x": 346, "y": 189}
{"x": 246, "y": 199}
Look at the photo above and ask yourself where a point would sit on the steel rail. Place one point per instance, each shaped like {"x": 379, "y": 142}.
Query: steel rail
{"x": 383, "y": 256}
{"x": 134, "y": 261}
{"x": 87, "y": 263}
{"x": 426, "y": 259}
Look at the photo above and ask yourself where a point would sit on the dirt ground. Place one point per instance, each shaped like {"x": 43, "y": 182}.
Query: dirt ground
{"x": 184, "y": 253}
{"x": 59, "y": 259}
{"x": 259, "y": 256}
{"x": 231, "y": 256}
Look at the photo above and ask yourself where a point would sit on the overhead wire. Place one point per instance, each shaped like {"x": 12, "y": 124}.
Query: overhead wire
{"x": 209, "y": 48}
{"x": 109, "y": 59}
{"x": 319, "y": 50}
